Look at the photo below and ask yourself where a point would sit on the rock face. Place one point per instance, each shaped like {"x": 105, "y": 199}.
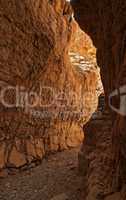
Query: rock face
{"x": 82, "y": 43}
{"x": 105, "y": 22}
{"x": 44, "y": 98}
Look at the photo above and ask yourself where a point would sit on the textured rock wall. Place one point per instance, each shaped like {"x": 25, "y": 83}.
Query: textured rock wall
{"x": 105, "y": 22}
{"x": 47, "y": 94}
{"x": 82, "y": 43}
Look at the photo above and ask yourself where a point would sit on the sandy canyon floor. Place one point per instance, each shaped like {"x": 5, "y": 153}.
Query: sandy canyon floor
{"x": 57, "y": 178}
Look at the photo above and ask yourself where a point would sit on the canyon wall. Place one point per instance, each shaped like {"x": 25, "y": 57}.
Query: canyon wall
{"x": 44, "y": 99}
{"x": 102, "y": 156}
{"x": 82, "y": 43}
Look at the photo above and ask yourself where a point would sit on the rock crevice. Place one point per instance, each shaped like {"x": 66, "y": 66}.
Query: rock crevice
{"x": 105, "y": 22}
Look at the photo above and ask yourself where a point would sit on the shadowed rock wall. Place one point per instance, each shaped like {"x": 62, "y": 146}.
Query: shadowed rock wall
{"x": 105, "y": 22}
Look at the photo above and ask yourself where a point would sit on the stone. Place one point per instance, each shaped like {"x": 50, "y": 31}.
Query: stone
{"x": 16, "y": 158}
{"x": 3, "y": 173}
{"x": 116, "y": 196}
{"x": 31, "y": 151}
{"x": 60, "y": 197}
{"x": 39, "y": 147}
{"x": 82, "y": 43}
{"x": 75, "y": 136}
{"x": 54, "y": 96}
{"x": 83, "y": 164}
{"x": 2, "y": 155}
{"x": 111, "y": 58}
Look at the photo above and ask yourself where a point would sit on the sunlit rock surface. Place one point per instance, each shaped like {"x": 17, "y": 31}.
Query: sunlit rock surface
{"x": 82, "y": 43}
{"x": 50, "y": 97}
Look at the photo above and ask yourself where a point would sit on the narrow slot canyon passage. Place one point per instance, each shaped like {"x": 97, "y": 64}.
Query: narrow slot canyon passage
{"x": 103, "y": 150}
{"x": 62, "y": 100}
{"x": 57, "y": 177}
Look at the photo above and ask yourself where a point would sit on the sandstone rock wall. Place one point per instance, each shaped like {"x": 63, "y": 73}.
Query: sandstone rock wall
{"x": 105, "y": 22}
{"x": 42, "y": 95}
{"x": 82, "y": 43}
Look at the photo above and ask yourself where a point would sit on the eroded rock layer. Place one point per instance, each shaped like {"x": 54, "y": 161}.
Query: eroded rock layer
{"x": 105, "y": 22}
{"x": 44, "y": 98}
{"x": 82, "y": 43}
